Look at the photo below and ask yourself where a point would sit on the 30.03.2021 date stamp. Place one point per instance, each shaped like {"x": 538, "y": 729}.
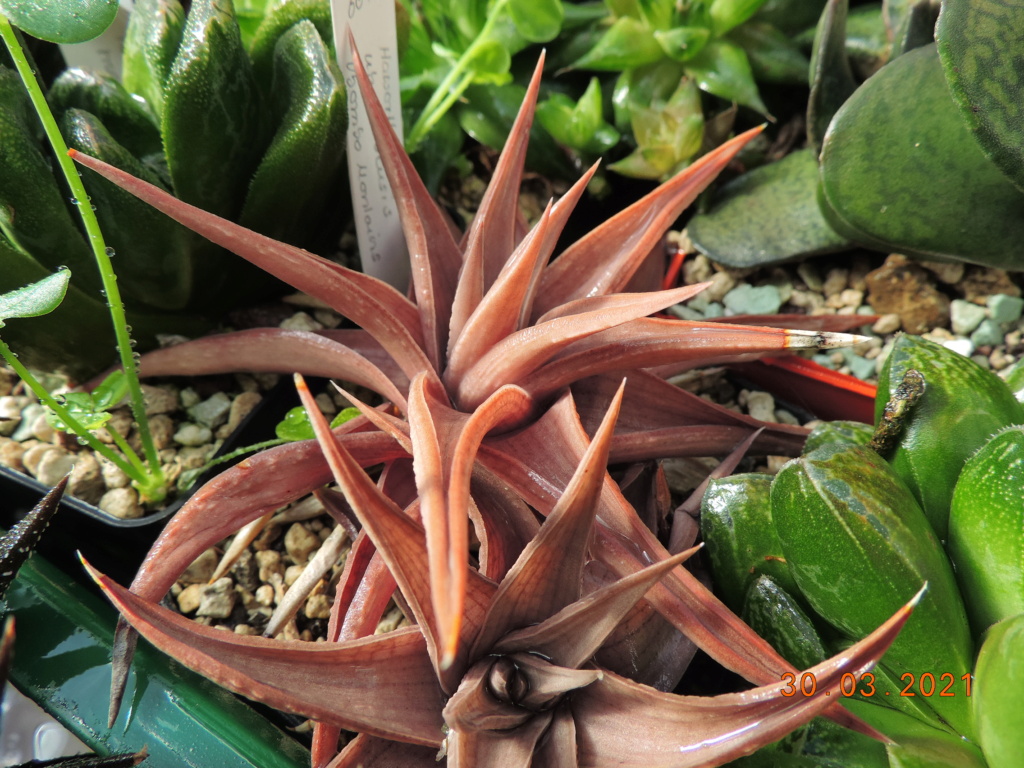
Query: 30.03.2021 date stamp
{"x": 927, "y": 684}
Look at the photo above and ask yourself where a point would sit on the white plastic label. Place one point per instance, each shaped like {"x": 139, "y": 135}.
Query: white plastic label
{"x": 101, "y": 54}
{"x": 381, "y": 241}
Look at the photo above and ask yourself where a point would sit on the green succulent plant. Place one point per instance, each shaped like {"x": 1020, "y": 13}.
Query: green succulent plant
{"x": 942, "y": 110}
{"x": 256, "y": 134}
{"x": 934, "y": 495}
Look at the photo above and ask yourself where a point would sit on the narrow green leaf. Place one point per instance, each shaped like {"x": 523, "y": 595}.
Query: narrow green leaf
{"x": 766, "y": 216}
{"x": 979, "y": 45}
{"x": 150, "y": 45}
{"x": 726, "y": 14}
{"x": 998, "y": 681}
{"x": 59, "y": 22}
{"x": 893, "y": 143}
{"x": 831, "y": 78}
{"x": 35, "y": 299}
{"x": 682, "y": 43}
{"x": 291, "y": 189}
{"x": 281, "y": 17}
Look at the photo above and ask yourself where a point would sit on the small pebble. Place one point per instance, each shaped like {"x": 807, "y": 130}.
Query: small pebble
{"x": 269, "y": 563}
{"x": 122, "y": 503}
{"x": 201, "y": 569}
{"x": 211, "y": 412}
{"x": 34, "y": 455}
{"x": 300, "y": 543}
{"x": 747, "y": 299}
{"x": 300, "y": 321}
{"x": 293, "y": 572}
{"x": 965, "y": 316}
{"x": 53, "y": 466}
{"x": 721, "y": 284}
{"x": 265, "y": 595}
{"x": 217, "y": 600}
{"x": 1005, "y": 309}
{"x": 160, "y": 400}
{"x": 11, "y": 452}
{"x": 190, "y": 598}
{"x": 86, "y": 481}
{"x": 318, "y": 607}
{"x": 27, "y": 421}
{"x": 988, "y": 333}
{"x": 964, "y": 347}
{"x": 192, "y": 435}
{"x": 835, "y": 281}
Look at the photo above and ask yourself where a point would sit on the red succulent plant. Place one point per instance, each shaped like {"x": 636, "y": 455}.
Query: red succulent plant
{"x": 527, "y": 692}
{"x": 499, "y": 364}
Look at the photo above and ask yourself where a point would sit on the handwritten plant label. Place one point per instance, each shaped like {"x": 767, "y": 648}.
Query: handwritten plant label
{"x": 381, "y": 242}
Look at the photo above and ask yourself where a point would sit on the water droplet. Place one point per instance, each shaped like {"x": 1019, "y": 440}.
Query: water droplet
{"x": 74, "y": 201}
{"x": 82, "y": 441}
{"x": 104, "y": 293}
{"x": 109, "y": 251}
{"x": 93, "y": 207}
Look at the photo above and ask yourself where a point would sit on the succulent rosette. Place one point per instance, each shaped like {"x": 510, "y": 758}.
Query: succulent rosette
{"x": 495, "y": 370}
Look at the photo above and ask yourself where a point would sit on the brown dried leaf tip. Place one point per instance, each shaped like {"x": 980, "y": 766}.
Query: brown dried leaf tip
{"x": 501, "y": 363}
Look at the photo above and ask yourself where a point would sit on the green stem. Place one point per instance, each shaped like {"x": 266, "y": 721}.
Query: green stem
{"x": 453, "y": 86}
{"x": 62, "y": 413}
{"x": 95, "y": 238}
{"x": 126, "y": 449}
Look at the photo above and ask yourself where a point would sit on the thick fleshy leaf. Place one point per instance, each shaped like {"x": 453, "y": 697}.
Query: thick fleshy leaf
{"x": 587, "y": 268}
{"x": 572, "y": 636}
{"x": 401, "y": 541}
{"x": 56, "y": 23}
{"x": 373, "y": 305}
{"x": 557, "y": 555}
{"x": 516, "y": 357}
{"x": 19, "y": 542}
{"x": 491, "y": 238}
{"x": 649, "y": 342}
{"x": 366, "y": 750}
{"x": 273, "y": 350}
{"x": 681, "y": 731}
{"x": 305, "y": 678}
{"x": 433, "y": 252}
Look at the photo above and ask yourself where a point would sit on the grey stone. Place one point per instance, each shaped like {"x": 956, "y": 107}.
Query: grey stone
{"x": 86, "y": 478}
{"x": 747, "y": 299}
{"x": 965, "y": 316}
{"x": 192, "y": 435}
{"x": 217, "y": 600}
{"x": 861, "y": 367}
{"x": 988, "y": 333}
{"x": 160, "y": 400}
{"x": 29, "y": 414}
{"x": 201, "y": 569}
{"x": 964, "y": 347}
{"x": 211, "y": 412}
{"x": 122, "y": 503}
{"x": 53, "y": 466}
{"x": 1005, "y": 309}
{"x": 10, "y": 414}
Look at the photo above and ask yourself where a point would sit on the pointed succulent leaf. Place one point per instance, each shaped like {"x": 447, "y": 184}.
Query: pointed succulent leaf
{"x": 742, "y": 543}
{"x": 852, "y": 432}
{"x": 18, "y": 543}
{"x": 36, "y": 299}
{"x": 373, "y": 305}
{"x": 291, "y": 188}
{"x": 55, "y": 24}
{"x": 627, "y": 44}
{"x": 844, "y": 517}
{"x": 962, "y": 405}
{"x": 721, "y": 68}
{"x": 279, "y": 18}
{"x": 557, "y": 555}
{"x": 131, "y": 123}
{"x": 749, "y": 224}
{"x": 150, "y": 46}
{"x": 305, "y": 678}
{"x": 832, "y": 80}
{"x": 706, "y": 731}
{"x": 985, "y": 520}
{"x": 774, "y": 56}
{"x": 580, "y": 271}
{"x": 211, "y": 126}
{"x": 982, "y": 85}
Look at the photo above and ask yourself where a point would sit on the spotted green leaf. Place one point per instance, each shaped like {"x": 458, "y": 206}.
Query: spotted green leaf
{"x": 891, "y": 145}
{"x": 61, "y": 22}
{"x": 980, "y": 48}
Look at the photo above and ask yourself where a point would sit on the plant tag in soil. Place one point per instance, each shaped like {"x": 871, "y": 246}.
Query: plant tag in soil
{"x": 102, "y": 53}
{"x": 381, "y": 242}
